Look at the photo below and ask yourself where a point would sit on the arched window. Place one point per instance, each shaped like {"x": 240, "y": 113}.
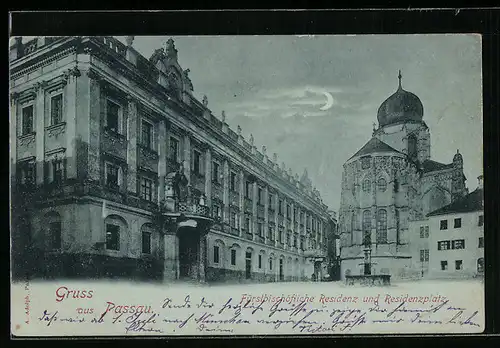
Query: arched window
{"x": 382, "y": 184}
{"x": 367, "y": 227}
{"x": 382, "y": 226}
{"x": 53, "y": 221}
{"x": 366, "y": 185}
{"x": 412, "y": 146}
{"x": 480, "y": 265}
{"x": 114, "y": 226}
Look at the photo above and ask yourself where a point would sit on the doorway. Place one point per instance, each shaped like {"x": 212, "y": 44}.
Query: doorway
{"x": 282, "y": 275}
{"x": 248, "y": 265}
{"x": 188, "y": 253}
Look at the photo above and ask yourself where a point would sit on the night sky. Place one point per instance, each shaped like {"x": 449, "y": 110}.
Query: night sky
{"x": 275, "y": 88}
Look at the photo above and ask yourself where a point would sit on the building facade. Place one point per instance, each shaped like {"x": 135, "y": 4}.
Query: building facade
{"x": 119, "y": 171}
{"x": 389, "y": 182}
{"x": 449, "y": 243}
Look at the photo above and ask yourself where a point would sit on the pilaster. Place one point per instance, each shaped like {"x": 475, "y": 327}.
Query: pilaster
{"x": 162, "y": 159}
{"x": 40, "y": 130}
{"x": 14, "y": 119}
{"x": 225, "y": 197}
{"x": 94, "y": 135}
{"x": 133, "y": 122}
{"x": 71, "y": 105}
{"x": 208, "y": 177}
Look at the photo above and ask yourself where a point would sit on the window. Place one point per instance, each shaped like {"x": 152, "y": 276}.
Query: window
{"x": 367, "y": 227}
{"x": 365, "y": 162}
{"x": 27, "y": 173}
{"x": 382, "y": 184}
{"x": 458, "y": 265}
{"x": 27, "y": 120}
{"x": 247, "y": 225}
{"x": 270, "y": 195}
{"x": 58, "y": 171}
{"x": 112, "y": 237}
{"x": 217, "y": 211}
{"x": 197, "y": 167}
{"x": 215, "y": 172}
{"x": 233, "y": 257}
{"x": 294, "y": 241}
{"x": 147, "y": 135}
{"x": 457, "y": 223}
{"x": 480, "y": 265}
{"x": 288, "y": 240}
{"x": 55, "y": 234}
{"x": 481, "y": 220}
{"x": 382, "y": 226}
{"x": 260, "y": 229}
{"x": 280, "y": 207}
{"x": 366, "y": 185}
{"x": 458, "y": 244}
{"x": 288, "y": 211}
{"x": 233, "y": 181}
{"x": 444, "y": 245}
{"x": 444, "y": 265}
{"x": 481, "y": 242}
{"x": 270, "y": 234}
{"x": 412, "y": 146}
{"x": 280, "y": 236}
{"x": 174, "y": 150}
{"x": 56, "y": 109}
{"x": 270, "y": 264}
{"x": 234, "y": 220}
{"x": 113, "y": 117}
{"x": 146, "y": 242}
{"x": 424, "y": 231}
{"x": 301, "y": 243}
{"x": 112, "y": 175}
{"x": 443, "y": 225}
{"x": 216, "y": 254}
{"x": 248, "y": 189}
{"x": 260, "y": 261}
{"x": 259, "y": 195}
{"x": 147, "y": 189}
{"x": 396, "y": 185}
{"x": 424, "y": 255}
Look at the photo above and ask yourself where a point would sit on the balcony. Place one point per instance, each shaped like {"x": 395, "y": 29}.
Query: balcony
{"x": 315, "y": 253}
{"x": 193, "y": 209}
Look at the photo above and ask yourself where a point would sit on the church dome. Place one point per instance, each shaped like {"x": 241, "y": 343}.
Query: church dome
{"x": 400, "y": 107}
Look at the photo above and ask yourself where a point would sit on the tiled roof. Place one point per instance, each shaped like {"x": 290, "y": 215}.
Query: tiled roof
{"x": 469, "y": 203}
{"x": 374, "y": 145}
{"x": 432, "y": 166}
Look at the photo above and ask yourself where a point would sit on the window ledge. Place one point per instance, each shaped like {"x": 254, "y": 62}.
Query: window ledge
{"x": 55, "y": 126}
{"x": 26, "y": 136}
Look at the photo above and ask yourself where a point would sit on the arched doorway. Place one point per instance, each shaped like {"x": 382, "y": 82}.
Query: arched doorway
{"x": 189, "y": 241}
{"x": 248, "y": 264}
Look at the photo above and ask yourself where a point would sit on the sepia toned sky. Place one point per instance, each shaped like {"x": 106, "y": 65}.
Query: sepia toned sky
{"x": 275, "y": 88}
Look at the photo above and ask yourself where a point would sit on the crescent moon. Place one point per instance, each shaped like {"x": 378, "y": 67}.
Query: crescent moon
{"x": 329, "y": 102}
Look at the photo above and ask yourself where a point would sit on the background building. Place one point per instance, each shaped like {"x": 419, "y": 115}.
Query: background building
{"x": 456, "y": 238}
{"x": 389, "y": 182}
{"x": 118, "y": 171}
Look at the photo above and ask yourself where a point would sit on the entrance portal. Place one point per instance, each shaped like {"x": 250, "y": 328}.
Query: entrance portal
{"x": 248, "y": 265}
{"x": 189, "y": 242}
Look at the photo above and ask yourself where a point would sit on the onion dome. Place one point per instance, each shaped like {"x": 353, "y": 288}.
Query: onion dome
{"x": 402, "y": 106}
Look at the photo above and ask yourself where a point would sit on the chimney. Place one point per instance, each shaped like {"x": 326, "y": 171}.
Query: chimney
{"x": 480, "y": 182}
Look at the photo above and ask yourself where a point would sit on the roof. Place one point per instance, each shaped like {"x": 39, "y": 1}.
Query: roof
{"x": 469, "y": 203}
{"x": 374, "y": 145}
{"x": 432, "y": 166}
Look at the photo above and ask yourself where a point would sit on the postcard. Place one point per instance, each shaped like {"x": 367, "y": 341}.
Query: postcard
{"x": 246, "y": 185}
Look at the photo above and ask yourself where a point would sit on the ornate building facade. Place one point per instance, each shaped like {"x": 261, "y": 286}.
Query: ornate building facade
{"x": 389, "y": 182}
{"x": 119, "y": 171}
